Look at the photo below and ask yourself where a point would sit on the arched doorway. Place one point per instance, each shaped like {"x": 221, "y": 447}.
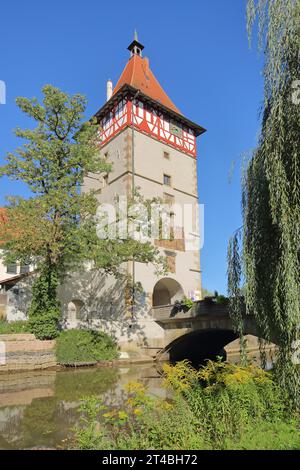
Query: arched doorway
{"x": 166, "y": 291}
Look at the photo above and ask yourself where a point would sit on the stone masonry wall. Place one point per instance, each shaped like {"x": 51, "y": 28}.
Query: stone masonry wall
{"x": 25, "y": 352}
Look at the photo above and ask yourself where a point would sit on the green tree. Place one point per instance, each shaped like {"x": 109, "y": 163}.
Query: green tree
{"x": 56, "y": 227}
{"x": 270, "y": 236}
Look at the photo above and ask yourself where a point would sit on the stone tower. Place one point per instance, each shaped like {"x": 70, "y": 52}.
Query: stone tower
{"x": 151, "y": 146}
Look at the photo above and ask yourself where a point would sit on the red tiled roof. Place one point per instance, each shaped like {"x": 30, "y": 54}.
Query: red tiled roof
{"x": 137, "y": 73}
{"x": 3, "y": 220}
{"x": 2, "y": 213}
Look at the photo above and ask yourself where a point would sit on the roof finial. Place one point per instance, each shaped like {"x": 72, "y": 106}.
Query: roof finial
{"x": 136, "y": 47}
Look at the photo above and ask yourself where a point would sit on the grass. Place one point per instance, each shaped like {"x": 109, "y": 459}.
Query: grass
{"x": 268, "y": 436}
{"x": 13, "y": 327}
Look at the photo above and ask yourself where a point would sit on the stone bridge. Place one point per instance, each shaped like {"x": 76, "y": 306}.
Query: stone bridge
{"x": 198, "y": 333}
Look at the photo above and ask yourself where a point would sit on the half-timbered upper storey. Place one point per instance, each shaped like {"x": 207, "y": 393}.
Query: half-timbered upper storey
{"x": 138, "y": 99}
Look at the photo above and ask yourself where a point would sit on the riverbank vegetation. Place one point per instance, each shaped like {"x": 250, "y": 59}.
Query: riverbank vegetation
{"x": 84, "y": 346}
{"x": 221, "y": 406}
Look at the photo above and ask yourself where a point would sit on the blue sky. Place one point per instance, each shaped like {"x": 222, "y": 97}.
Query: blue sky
{"x": 199, "y": 52}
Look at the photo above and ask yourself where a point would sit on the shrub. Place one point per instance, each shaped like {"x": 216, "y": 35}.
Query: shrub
{"x": 188, "y": 303}
{"x": 13, "y": 327}
{"x": 74, "y": 346}
{"x": 44, "y": 324}
{"x": 222, "y": 300}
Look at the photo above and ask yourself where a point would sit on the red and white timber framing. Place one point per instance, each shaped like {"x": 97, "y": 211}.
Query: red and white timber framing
{"x": 150, "y": 121}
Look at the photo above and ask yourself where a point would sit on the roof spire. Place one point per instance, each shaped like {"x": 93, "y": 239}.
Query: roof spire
{"x": 136, "y": 47}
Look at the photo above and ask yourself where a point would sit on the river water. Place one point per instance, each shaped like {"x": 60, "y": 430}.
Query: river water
{"x": 38, "y": 408}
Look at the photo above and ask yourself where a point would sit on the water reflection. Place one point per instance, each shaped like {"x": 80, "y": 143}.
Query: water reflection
{"x": 38, "y": 409}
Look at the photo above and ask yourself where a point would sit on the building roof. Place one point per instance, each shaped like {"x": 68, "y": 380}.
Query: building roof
{"x": 3, "y": 220}
{"x": 14, "y": 279}
{"x": 3, "y": 214}
{"x": 138, "y": 77}
{"x": 138, "y": 74}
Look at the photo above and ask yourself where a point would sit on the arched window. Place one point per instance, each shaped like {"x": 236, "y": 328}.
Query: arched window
{"x": 75, "y": 310}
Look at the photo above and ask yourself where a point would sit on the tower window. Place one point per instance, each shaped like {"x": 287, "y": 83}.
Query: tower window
{"x": 105, "y": 181}
{"x": 167, "y": 180}
{"x": 171, "y": 261}
{"x": 168, "y": 199}
{"x": 167, "y": 155}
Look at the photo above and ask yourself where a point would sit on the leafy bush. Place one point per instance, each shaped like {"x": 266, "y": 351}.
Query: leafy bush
{"x": 222, "y": 300}
{"x": 44, "y": 324}
{"x": 188, "y": 303}
{"x": 74, "y": 346}
{"x": 13, "y": 327}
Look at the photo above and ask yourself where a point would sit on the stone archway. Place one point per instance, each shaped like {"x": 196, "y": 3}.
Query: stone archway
{"x": 166, "y": 291}
{"x": 198, "y": 346}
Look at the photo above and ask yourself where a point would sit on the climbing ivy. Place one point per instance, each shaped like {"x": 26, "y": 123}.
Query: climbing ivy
{"x": 44, "y": 311}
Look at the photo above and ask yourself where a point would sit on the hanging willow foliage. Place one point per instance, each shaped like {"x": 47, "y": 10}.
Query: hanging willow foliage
{"x": 270, "y": 252}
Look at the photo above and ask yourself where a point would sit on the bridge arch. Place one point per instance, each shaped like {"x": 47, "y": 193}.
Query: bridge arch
{"x": 200, "y": 345}
{"x": 166, "y": 291}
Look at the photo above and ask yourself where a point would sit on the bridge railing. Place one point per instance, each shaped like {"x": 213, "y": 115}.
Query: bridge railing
{"x": 167, "y": 313}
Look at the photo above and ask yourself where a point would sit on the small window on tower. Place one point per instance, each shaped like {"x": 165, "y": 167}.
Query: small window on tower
{"x": 167, "y": 155}
{"x": 168, "y": 199}
{"x": 167, "y": 180}
{"x": 105, "y": 181}
{"x": 171, "y": 261}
